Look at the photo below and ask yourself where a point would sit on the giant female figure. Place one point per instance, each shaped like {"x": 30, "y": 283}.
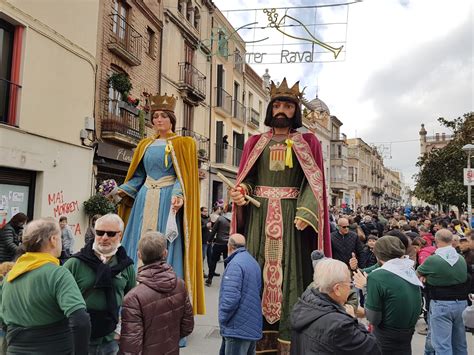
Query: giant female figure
{"x": 161, "y": 193}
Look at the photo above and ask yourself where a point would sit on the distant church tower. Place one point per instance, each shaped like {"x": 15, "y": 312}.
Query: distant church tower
{"x": 422, "y": 139}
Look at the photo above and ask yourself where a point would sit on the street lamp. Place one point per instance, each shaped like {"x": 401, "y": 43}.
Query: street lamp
{"x": 469, "y": 148}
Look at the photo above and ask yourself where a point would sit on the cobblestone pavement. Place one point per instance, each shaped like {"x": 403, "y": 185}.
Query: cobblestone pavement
{"x": 205, "y": 339}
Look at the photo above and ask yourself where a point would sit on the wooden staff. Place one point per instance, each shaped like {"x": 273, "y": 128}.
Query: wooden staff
{"x": 232, "y": 186}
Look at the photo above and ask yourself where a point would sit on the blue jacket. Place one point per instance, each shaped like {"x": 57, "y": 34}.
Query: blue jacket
{"x": 240, "y": 310}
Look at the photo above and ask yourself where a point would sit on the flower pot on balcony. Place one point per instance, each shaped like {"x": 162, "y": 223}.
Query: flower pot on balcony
{"x": 129, "y": 108}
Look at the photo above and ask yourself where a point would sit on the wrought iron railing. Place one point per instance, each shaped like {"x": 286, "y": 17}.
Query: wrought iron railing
{"x": 123, "y": 37}
{"x": 202, "y": 142}
{"x": 223, "y": 100}
{"x": 228, "y": 155}
{"x": 9, "y": 92}
{"x": 190, "y": 75}
{"x": 239, "y": 111}
{"x": 254, "y": 117}
{"x": 117, "y": 120}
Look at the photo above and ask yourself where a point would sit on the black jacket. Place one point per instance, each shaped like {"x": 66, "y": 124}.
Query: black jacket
{"x": 220, "y": 229}
{"x": 320, "y": 326}
{"x": 344, "y": 245}
{"x": 205, "y": 232}
{"x": 367, "y": 258}
{"x": 9, "y": 242}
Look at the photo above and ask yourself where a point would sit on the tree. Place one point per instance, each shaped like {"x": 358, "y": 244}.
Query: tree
{"x": 440, "y": 180}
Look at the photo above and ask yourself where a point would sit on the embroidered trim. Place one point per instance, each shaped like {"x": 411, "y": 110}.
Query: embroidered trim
{"x": 187, "y": 272}
{"x": 314, "y": 176}
{"x": 276, "y": 192}
{"x": 309, "y": 223}
{"x": 309, "y": 211}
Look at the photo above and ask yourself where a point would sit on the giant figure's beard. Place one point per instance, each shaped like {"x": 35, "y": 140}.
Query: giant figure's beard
{"x": 280, "y": 121}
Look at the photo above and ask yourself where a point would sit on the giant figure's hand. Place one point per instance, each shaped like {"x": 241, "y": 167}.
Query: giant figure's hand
{"x": 176, "y": 203}
{"x": 237, "y": 195}
{"x": 300, "y": 224}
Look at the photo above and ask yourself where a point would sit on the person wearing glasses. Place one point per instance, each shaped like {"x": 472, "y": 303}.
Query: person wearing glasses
{"x": 104, "y": 273}
{"x": 322, "y": 323}
{"x": 346, "y": 245}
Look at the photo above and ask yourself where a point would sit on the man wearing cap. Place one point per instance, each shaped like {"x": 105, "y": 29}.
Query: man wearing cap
{"x": 393, "y": 300}
{"x": 282, "y": 169}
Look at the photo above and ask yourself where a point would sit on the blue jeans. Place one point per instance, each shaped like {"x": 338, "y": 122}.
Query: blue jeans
{"x": 110, "y": 348}
{"x": 236, "y": 346}
{"x": 448, "y": 335}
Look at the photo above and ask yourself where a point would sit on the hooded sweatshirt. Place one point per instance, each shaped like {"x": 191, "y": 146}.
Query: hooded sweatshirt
{"x": 321, "y": 326}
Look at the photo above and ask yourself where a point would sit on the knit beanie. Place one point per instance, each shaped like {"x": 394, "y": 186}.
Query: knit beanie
{"x": 389, "y": 247}
{"x": 317, "y": 256}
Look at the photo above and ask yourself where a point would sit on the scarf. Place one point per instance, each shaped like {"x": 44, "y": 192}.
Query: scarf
{"x": 28, "y": 262}
{"x": 104, "y": 256}
{"x": 448, "y": 254}
{"x": 105, "y": 273}
{"x": 402, "y": 268}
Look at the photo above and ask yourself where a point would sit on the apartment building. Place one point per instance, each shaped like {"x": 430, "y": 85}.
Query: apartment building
{"x": 339, "y": 165}
{"x": 186, "y": 73}
{"x": 377, "y": 177}
{"x": 359, "y": 159}
{"x": 317, "y": 120}
{"x": 47, "y": 78}
{"x": 392, "y": 188}
{"x": 239, "y": 100}
{"x": 129, "y": 59}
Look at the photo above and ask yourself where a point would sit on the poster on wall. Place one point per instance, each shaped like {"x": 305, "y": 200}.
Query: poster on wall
{"x": 13, "y": 199}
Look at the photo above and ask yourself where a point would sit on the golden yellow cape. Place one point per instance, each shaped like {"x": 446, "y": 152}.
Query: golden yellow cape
{"x": 185, "y": 164}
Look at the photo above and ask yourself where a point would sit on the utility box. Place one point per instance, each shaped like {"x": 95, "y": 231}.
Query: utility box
{"x": 89, "y": 124}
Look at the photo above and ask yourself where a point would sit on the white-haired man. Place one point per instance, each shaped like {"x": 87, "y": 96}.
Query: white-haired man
{"x": 321, "y": 323}
{"x": 104, "y": 274}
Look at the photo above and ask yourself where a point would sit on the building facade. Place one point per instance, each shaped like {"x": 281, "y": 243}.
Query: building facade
{"x": 47, "y": 78}
{"x": 129, "y": 66}
{"x": 238, "y": 104}
{"x": 428, "y": 143}
{"x": 359, "y": 158}
{"x": 392, "y": 188}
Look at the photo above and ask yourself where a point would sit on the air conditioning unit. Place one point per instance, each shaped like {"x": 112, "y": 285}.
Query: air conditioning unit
{"x": 89, "y": 123}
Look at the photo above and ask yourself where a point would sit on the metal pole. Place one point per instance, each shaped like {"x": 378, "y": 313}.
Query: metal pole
{"x": 469, "y": 205}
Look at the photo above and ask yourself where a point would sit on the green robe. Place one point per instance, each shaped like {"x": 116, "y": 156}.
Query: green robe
{"x": 297, "y": 246}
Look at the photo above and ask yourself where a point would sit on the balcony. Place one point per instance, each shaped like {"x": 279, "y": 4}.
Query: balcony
{"x": 192, "y": 82}
{"x": 254, "y": 117}
{"x": 202, "y": 142}
{"x": 339, "y": 183}
{"x": 377, "y": 191}
{"x": 228, "y": 155}
{"x": 8, "y": 98}
{"x": 119, "y": 124}
{"x": 223, "y": 100}
{"x": 239, "y": 111}
{"x": 125, "y": 41}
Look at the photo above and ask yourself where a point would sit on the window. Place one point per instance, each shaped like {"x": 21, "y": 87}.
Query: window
{"x": 188, "y": 116}
{"x": 189, "y": 11}
{"x": 10, "y": 44}
{"x": 238, "y": 61}
{"x": 260, "y": 106}
{"x": 119, "y": 25}
{"x": 151, "y": 42}
{"x": 222, "y": 45}
{"x": 197, "y": 18}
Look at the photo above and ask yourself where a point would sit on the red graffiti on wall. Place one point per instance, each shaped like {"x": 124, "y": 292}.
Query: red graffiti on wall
{"x": 62, "y": 208}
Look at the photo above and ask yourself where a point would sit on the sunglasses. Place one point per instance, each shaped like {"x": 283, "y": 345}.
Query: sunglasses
{"x": 110, "y": 234}
{"x": 344, "y": 226}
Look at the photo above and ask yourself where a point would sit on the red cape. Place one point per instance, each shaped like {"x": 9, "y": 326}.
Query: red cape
{"x": 313, "y": 145}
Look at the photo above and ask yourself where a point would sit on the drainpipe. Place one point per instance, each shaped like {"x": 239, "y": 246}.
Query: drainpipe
{"x": 210, "y": 117}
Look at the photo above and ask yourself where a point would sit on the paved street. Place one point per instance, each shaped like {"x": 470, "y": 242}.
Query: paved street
{"x": 205, "y": 340}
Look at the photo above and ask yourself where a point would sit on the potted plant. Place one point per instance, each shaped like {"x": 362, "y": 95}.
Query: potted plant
{"x": 120, "y": 82}
{"x": 98, "y": 204}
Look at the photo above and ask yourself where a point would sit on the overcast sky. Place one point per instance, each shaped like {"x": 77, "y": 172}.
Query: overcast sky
{"x": 403, "y": 63}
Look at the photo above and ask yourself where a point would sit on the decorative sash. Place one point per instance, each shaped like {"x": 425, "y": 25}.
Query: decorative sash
{"x": 272, "y": 270}
{"x": 152, "y": 201}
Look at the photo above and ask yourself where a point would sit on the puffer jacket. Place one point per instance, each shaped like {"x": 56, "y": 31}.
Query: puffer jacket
{"x": 321, "y": 326}
{"x": 9, "y": 242}
{"x": 156, "y": 313}
{"x": 240, "y": 311}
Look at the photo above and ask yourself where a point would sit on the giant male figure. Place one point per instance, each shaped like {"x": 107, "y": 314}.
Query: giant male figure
{"x": 283, "y": 169}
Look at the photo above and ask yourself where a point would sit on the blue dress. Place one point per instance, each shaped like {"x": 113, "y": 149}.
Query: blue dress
{"x": 153, "y": 168}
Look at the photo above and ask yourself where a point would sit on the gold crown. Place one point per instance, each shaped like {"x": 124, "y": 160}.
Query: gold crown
{"x": 283, "y": 91}
{"x": 163, "y": 102}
